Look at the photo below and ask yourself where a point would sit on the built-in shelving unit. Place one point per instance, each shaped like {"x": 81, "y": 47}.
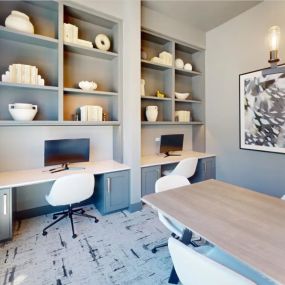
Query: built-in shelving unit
{"x": 62, "y": 65}
{"x": 168, "y": 79}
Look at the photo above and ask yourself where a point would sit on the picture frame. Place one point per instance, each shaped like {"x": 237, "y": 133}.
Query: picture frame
{"x": 262, "y": 111}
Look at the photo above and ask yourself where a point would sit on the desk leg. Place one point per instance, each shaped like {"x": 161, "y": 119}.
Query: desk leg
{"x": 186, "y": 239}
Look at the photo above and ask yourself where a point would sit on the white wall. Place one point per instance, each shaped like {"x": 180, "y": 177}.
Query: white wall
{"x": 237, "y": 47}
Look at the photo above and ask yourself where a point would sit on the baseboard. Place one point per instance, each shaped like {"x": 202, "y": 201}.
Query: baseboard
{"x": 135, "y": 207}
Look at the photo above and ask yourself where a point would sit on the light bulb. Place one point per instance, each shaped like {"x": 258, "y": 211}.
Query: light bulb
{"x": 274, "y": 40}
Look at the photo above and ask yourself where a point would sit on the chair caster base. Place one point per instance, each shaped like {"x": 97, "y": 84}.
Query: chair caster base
{"x": 154, "y": 250}
{"x": 96, "y": 220}
{"x": 74, "y": 236}
{"x": 54, "y": 217}
{"x": 44, "y": 233}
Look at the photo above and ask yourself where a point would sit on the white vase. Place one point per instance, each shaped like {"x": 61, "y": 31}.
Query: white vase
{"x": 151, "y": 113}
{"x": 142, "y": 87}
{"x": 20, "y": 22}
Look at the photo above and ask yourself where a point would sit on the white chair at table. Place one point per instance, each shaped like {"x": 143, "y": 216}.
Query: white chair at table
{"x": 69, "y": 190}
{"x": 283, "y": 197}
{"x": 167, "y": 183}
{"x": 210, "y": 266}
{"x": 185, "y": 167}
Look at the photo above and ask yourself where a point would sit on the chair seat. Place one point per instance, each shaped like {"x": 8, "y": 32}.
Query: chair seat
{"x": 234, "y": 264}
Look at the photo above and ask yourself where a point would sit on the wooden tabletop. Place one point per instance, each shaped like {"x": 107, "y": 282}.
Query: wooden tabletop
{"x": 244, "y": 223}
{"x": 19, "y": 178}
{"x": 159, "y": 159}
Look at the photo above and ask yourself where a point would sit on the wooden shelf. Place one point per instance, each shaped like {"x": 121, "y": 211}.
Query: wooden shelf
{"x": 79, "y": 123}
{"x": 171, "y": 123}
{"x": 156, "y": 66}
{"x": 188, "y": 101}
{"x": 155, "y": 98}
{"x": 95, "y": 92}
{"x": 186, "y": 72}
{"x": 29, "y": 86}
{"x": 92, "y": 52}
{"x": 32, "y": 39}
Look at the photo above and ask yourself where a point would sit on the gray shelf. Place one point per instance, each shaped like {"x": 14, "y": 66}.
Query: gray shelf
{"x": 188, "y": 101}
{"x": 187, "y": 72}
{"x": 32, "y": 39}
{"x": 92, "y": 52}
{"x": 156, "y": 66}
{"x": 57, "y": 123}
{"x": 95, "y": 92}
{"x": 28, "y": 86}
{"x": 155, "y": 98}
{"x": 171, "y": 123}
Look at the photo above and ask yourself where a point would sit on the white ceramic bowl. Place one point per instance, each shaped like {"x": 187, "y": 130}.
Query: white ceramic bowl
{"x": 87, "y": 85}
{"x": 23, "y": 114}
{"x": 23, "y": 106}
{"x": 181, "y": 96}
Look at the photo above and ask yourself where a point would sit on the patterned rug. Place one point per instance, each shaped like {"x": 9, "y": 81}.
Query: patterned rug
{"x": 114, "y": 251}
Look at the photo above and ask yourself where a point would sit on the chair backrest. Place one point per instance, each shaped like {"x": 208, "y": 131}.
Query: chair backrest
{"x": 169, "y": 182}
{"x": 194, "y": 268}
{"x": 166, "y": 183}
{"x": 186, "y": 167}
{"x": 71, "y": 189}
{"x": 283, "y": 197}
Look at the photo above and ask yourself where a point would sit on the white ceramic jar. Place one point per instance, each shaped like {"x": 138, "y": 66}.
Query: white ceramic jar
{"x": 151, "y": 113}
{"x": 20, "y": 22}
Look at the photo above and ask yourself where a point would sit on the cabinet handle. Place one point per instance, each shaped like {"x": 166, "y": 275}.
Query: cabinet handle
{"x": 109, "y": 185}
{"x": 205, "y": 167}
{"x": 5, "y": 204}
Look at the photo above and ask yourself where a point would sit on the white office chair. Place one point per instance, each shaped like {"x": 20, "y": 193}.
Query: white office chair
{"x": 185, "y": 167}
{"x": 167, "y": 183}
{"x": 283, "y": 197}
{"x": 69, "y": 190}
{"x": 210, "y": 266}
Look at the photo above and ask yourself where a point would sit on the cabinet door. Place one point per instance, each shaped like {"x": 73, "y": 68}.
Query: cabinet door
{"x": 206, "y": 169}
{"x": 116, "y": 191}
{"x": 5, "y": 214}
{"x": 149, "y": 177}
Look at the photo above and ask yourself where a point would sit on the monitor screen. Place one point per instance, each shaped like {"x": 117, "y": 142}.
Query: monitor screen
{"x": 171, "y": 143}
{"x": 66, "y": 151}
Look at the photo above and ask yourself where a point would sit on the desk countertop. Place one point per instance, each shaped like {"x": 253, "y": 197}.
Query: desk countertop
{"x": 152, "y": 160}
{"x": 19, "y": 178}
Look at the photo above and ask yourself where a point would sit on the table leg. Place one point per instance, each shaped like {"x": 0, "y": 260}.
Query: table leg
{"x": 186, "y": 239}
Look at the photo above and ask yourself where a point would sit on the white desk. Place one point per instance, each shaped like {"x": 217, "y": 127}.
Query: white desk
{"x": 116, "y": 175}
{"x": 152, "y": 160}
{"x": 248, "y": 225}
{"x": 19, "y": 178}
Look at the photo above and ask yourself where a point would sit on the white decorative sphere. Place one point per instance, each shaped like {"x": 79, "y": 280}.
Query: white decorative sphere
{"x": 179, "y": 63}
{"x": 188, "y": 66}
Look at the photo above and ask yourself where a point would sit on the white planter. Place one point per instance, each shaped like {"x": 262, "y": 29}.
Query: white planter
{"x": 22, "y": 112}
{"x": 20, "y": 22}
{"x": 151, "y": 113}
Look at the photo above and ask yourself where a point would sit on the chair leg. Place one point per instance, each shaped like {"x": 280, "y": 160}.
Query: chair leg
{"x": 87, "y": 216}
{"x": 53, "y": 223}
{"x": 72, "y": 225}
{"x": 154, "y": 250}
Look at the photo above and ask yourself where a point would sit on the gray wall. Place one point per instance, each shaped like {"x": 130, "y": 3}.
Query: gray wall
{"x": 236, "y": 47}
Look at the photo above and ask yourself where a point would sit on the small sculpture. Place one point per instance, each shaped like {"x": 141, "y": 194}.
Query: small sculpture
{"x": 160, "y": 94}
{"x": 102, "y": 42}
{"x": 87, "y": 85}
{"x": 179, "y": 63}
{"x": 20, "y": 22}
{"x": 188, "y": 66}
{"x": 142, "y": 87}
{"x": 143, "y": 54}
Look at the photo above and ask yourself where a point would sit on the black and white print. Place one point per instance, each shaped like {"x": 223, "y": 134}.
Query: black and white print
{"x": 262, "y": 112}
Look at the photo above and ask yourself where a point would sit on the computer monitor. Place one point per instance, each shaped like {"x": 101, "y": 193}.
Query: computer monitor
{"x": 170, "y": 143}
{"x": 66, "y": 151}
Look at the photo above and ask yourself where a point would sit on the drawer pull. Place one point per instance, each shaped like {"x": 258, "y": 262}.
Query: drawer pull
{"x": 5, "y": 204}
{"x": 109, "y": 185}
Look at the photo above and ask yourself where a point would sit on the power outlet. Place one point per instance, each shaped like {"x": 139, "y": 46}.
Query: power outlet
{"x": 157, "y": 139}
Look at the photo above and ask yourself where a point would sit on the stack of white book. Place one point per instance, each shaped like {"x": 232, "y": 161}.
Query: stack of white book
{"x": 91, "y": 113}
{"x": 23, "y": 73}
{"x": 70, "y": 35}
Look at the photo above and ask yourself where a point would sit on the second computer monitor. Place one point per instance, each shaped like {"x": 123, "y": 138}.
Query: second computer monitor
{"x": 169, "y": 143}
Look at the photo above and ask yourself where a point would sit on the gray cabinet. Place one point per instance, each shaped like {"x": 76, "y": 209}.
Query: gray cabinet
{"x": 149, "y": 177}
{"x": 5, "y": 214}
{"x": 112, "y": 191}
{"x": 206, "y": 169}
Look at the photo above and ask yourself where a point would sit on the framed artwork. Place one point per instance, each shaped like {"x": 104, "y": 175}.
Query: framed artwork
{"x": 262, "y": 111}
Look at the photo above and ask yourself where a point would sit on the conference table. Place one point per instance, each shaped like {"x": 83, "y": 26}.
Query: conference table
{"x": 246, "y": 224}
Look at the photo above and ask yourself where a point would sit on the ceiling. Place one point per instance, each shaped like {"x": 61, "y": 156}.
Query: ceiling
{"x": 204, "y": 15}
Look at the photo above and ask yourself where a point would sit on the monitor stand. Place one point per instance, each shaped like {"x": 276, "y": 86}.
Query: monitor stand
{"x": 64, "y": 167}
{"x": 166, "y": 154}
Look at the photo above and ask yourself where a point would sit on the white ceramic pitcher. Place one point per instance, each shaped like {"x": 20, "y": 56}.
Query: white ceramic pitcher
{"x": 151, "y": 113}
